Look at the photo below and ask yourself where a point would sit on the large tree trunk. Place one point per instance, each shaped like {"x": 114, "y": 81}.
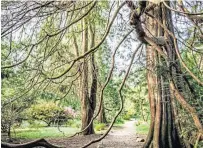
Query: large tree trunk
{"x": 88, "y": 101}
{"x": 163, "y": 131}
{"x": 162, "y": 70}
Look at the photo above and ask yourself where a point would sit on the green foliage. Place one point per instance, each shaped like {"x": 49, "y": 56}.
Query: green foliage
{"x": 35, "y": 124}
{"x": 46, "y": 111}
{"x": 74, "y": 123}
{"x": 136, "y": 99}
{"x": 99, "y": 126}
{"x": 192, "y": 60}
{"x": 119, "y": 120}
{"x": 127, "y": 117}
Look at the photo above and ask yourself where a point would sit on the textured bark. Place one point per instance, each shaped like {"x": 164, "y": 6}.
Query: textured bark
{"x": 85, "y": 102}
{"x": 163, "y": 131}
{"x": 88, "y": 101}
{"x": 151, "y": 79}
{"x": 93, "y": 90}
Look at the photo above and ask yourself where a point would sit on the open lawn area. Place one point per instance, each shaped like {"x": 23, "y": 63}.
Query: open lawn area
{"x": 54, "y": 132}
{"x": 43, "y": 132}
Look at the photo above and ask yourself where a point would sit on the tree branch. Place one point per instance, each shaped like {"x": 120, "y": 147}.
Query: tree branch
{"x": 40, "y": 142}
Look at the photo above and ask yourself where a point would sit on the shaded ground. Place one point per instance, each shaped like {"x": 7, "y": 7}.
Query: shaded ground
{"x": 119, "y": 137}
{"x": 75, "y": 142}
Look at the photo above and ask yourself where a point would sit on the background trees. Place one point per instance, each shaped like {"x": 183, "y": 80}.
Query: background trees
{"x": 80, "y": 54}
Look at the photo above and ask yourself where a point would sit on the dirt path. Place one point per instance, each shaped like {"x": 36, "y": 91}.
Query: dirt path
{"x": 119, "y": 137}
{"x": 123, "y": 138}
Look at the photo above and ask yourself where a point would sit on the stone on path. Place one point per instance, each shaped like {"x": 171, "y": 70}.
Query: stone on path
{"x": 125, "y": 137}
{"x": 140, "y": 140}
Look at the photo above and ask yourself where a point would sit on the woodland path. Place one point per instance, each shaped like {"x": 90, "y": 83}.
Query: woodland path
{"x": 119, "y": 137}
{"x": 125, "y": 137}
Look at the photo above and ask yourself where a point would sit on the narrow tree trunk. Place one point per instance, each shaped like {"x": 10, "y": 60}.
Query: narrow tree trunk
{"x": 85, "y": 100}
{"x": 102, "y": 116}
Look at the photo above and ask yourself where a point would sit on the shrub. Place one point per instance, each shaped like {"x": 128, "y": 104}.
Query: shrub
{"x": 100, "y": 126}
{"x": 73, "y": 123}
{"x": 48, "y": 112}
{"x": 120, "y": 121}
{"x": 35, "y": 124}
{"x": 69, "y": 123}
{"x": 127, "y": 117}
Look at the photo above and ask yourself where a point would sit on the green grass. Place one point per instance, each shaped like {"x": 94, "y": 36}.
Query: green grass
{"x": 99, "y": 126}
{"x": 143, "y": 128}
{"x": 27, "y": 131}
{"x": 118, "y": 124}
{"x": 43, "y": 132}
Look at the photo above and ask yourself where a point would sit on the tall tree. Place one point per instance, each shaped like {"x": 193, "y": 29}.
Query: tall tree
{"x": 88, "y": 98}
{"x": 163, "y": 70}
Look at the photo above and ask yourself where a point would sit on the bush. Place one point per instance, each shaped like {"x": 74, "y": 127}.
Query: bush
{"x": 119, "y": 121}
{"x": 48, "y": 112}
{"x": 73, "y": 123}
{"x": 127, "y": 117}
{"x": 35, "y": 124}
{"x": 100, "y": 126}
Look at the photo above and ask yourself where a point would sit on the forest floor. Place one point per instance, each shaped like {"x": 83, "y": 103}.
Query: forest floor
{"x": 119, "y": 137}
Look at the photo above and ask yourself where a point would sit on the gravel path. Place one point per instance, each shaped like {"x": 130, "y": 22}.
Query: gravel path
{"x": 123, "y": 138}
{"x": 119, "y": 137}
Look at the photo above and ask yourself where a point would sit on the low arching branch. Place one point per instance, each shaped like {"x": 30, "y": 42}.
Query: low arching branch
{"x": 39, "y": 142}
{"x": 121, "y": 97}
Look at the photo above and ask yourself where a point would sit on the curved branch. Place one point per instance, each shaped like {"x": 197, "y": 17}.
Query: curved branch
{"x": 10, "y": 66}
{"x": 106, "y": 83}
{"x": 92, "y": 49}
{"x": 40, "y": 142}
{"x": 32, "y": 9}
{"x": 121, "y": 97}
{"x": 187, "y": 106}
{"x": 176, "y": 49}
{"x": 188, "y": 13}
{"x": 77, "y": 20}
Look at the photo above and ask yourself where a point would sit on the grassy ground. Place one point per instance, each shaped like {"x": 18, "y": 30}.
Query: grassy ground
{"x": 43, "y": 132}
{"x": 141, "y": 126}
{"x": 30, "y": 132}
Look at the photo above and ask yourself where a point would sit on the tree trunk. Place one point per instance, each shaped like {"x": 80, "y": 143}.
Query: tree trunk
{"x": 85, "y": 95}
{"x": 88, "y": 101}
{"x": 102, "y": 116}
{"x": 163, "y": 131}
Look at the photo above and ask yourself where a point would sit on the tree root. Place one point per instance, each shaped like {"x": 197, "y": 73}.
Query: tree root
{"x": 39, "y": 142}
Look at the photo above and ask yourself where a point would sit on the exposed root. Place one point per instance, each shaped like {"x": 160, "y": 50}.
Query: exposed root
{"x": 39, "y": 142}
